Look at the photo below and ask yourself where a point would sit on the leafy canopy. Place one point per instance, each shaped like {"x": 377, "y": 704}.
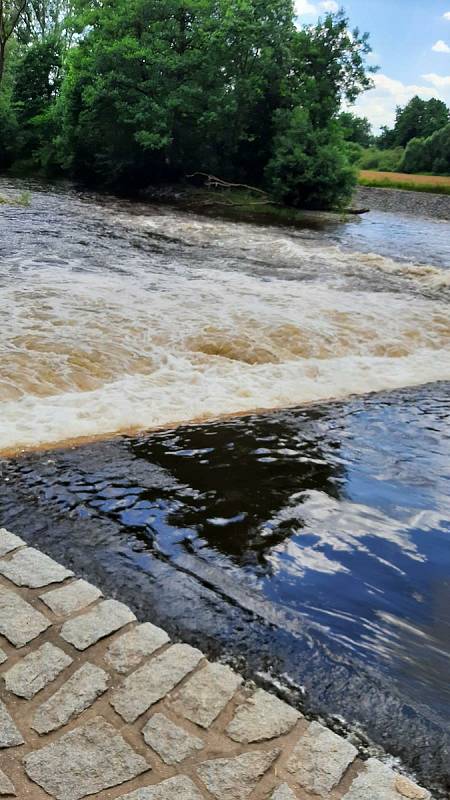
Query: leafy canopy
{"x": 130, "y": 92}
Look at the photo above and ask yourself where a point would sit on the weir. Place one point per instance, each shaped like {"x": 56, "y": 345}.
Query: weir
{"x": 295, "y": 526}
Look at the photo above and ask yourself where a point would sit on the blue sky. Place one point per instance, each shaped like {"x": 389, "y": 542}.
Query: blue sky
{"x": 411, "y": 44}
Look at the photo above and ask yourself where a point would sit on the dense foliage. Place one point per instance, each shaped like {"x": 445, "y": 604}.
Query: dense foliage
{"x": 419, "y": 118}
{"x": 357, "y": 130}
{"x": 381, "y": 160}
{"x": 430, "y": 155}
{"x": 133, "y": 92}
{"x": 418, "y": 142}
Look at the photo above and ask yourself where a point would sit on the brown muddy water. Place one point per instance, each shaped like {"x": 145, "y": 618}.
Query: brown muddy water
{"x": 309, "y": 545}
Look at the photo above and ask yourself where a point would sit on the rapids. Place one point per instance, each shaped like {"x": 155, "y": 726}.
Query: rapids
{"x": 118, "y": 317}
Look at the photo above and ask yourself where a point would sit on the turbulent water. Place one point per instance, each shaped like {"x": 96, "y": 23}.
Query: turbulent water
{"x": 308, "y": 546}
{"x": 114, "y": 317}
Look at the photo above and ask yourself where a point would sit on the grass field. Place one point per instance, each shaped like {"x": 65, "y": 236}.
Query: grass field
{"x": 400, "y": 180}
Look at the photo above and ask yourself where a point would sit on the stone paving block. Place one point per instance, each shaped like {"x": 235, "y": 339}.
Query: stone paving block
{"x": 78, "y": 693}
{"x": 10, "y": 736}
{"x": 36, "y": 670}
{"x": 262, "y": 717}
{"x": 206, "y": 694}
{"x": 179, "y": 788}
{"x": 3, "y": 656}
{"x": 236, "y": 778}
{"x": 171, "y": 742}
{"x": 9, "y": 542}
{"x": 20, "y": 623}
{"x": 319, "y": 759}
{"x": 6, "y": 786}
{"x": 106, "y": 618}
{"x": 380, "y": 782}
{"x": 130, "y": 649}
{"x": 69, "y": 599}
{"x": 283, "y": 792}
{"x": 87, "y": 760}
{"x": 154, "y": 680}
{"x": 29, "y": 567}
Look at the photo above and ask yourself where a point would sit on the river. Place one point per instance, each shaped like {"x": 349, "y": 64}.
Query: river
{"x": 299, "y": 525}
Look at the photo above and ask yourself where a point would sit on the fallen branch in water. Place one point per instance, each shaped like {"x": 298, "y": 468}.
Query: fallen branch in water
{"x": 213, "y": 182}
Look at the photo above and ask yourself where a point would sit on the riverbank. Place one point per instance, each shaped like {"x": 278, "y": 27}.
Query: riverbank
{"x": 116, "y": 705}
{"x": 402, "y": 201}
{"x": 240, "y": 205}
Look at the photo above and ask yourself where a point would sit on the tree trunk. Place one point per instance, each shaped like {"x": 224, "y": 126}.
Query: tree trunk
{"x": 2, "y": 60}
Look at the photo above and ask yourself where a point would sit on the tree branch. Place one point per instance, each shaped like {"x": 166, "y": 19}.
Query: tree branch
{"x": 213, "y": 181}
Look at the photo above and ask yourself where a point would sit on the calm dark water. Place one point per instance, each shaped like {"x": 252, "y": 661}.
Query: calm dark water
{"x": 309, "y": 547}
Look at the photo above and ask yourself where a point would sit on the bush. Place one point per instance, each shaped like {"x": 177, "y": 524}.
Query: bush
{"x": 429, "y": 155}
{"x": 309, "y": 167}
{"x": 354, "y": 152}
{"x": 381, "y": 160}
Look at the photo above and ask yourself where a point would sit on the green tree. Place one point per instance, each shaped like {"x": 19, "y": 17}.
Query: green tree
{"x": 44, "y": 18}
{"x": 309, "y": 163}
{"x": 418, "y": 119}
{"x": 11, "y": 15}
{"x": 168, "y": 88}
{"x": 36, "y": 85}
{"x": 309, "y": 167}
{"x": 356, "y": 129}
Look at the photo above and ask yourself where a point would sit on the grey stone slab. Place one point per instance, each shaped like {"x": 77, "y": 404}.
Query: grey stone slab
{"x": 9, "y": 542}
{"x": 69, "y": 599}
{"x": 36, "y": 670}
{"x": 20, "y": 623}
{"x": 130, "y": 649}
{"x": 106, "y": 618}
{"x": 283, "y": 792}
{"x": 153, "y": 681}
{"x": 236, "y": 778}
{"x": 262, "y": 717}
{"x": 377, "y": 780}
{"x": 31, "y": 568}
{"x": 206, "y": 694}
{"x": 171, "y": 742}
{"x": 320, "y": 759}
{"x": 75, "y": 696}
{"x": 87, "y": 760}
{"x": 10, "y": 736}
{"x": 179, "y": 788}
{"x": 3, "y": 656}
{"x": 6, "y": 786}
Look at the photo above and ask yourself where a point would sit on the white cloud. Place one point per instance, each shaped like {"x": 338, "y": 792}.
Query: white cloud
{"x": 304, "y": 7}
{"x": 441, "y": 47}
{"x": 440, "y": 81}
{"x": 379, "y": 104}
{"x": 447, "y": 15}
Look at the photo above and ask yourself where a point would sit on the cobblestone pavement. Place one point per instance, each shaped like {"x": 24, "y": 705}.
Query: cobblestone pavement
{"x": 92, "y": 703}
